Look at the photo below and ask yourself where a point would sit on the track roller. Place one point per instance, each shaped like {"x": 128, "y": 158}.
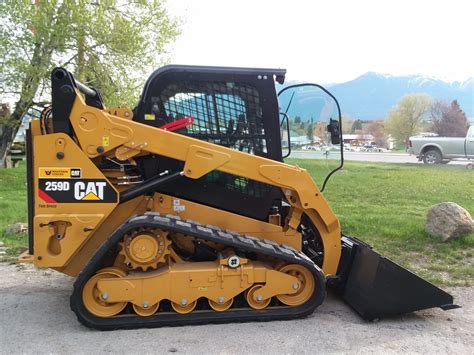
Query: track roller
{"x": 255, "y": 300}
{"x": 221, "y": 307}
{"x": 305, "y": 285}
{"x": 94, "y": 301}
{"x": 184, "y": 309}
{"x": 146, "y": 312}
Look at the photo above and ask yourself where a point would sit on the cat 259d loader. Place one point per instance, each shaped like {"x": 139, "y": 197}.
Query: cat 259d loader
{"x": 183, "y": 212}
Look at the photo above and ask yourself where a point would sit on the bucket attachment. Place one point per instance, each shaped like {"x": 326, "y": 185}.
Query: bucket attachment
{"x": 376, "y": 287}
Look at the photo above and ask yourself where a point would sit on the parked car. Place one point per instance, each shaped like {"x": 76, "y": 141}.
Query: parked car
{"x": 436, "y": 150}
{"x": 310, "y": 147}
{"x": 371, "y": 148}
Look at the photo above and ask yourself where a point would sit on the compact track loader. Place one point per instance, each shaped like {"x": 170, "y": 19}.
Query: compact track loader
{"x": 183, "y": 212}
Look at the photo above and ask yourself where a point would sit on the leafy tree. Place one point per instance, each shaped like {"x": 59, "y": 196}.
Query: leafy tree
{"x": 356, "y": 126}
{"x": 297, "y": 119}
{"x": 111, "y": 45}
{"x": 320, "y": 131}
{"x": 405, "y": 117}
{"x": 448, "y": 120}
{"x": 297, "y": 128}
{"x": 310, "y": 132}
{"x": 377, "y": 130}
{"x": 347, "y": 123}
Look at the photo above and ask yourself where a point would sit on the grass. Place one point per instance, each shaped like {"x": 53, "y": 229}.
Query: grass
{"x": 386, "y": 206}
{"x": 13, "y": 207}
{"x": 382, "y": 204}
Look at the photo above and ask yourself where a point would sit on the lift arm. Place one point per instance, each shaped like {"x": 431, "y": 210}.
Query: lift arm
{"x": 99, "y": 132}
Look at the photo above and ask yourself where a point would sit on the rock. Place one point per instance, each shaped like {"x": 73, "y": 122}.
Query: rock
{"x": 2, "y": 244}
{"x": 16, "y": 228}
{"x": 448, "y": 220}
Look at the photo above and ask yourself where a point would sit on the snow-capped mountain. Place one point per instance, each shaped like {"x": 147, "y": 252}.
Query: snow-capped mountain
{"x": 372, "y": 95}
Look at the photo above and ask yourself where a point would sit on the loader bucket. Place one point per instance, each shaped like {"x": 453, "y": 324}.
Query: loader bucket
{"x": 376, "y": 287}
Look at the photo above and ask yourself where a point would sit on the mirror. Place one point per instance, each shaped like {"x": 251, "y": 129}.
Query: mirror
{"x": 334, "y": 130}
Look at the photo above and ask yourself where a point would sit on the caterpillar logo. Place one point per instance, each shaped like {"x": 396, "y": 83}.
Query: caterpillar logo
{"x": 91, "y": 191}
{"x": 75, "y": 172}
{"x": 72, "y": 190}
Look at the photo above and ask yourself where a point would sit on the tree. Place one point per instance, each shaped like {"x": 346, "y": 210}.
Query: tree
{"x": 109, "y": 44}
{"x": 376, "y": 129}
{"x": 347, "y": 123}
{"x": 356, "y": 126}
{"x": 448, "y": 120}
{"x": 405, "y": 117}
{"x": 310, "y": 132}
{"x": 320, "y": 131}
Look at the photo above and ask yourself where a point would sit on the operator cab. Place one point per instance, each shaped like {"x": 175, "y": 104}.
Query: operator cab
{"x": 237, "y": 108}
{"x": 233, "y": 107}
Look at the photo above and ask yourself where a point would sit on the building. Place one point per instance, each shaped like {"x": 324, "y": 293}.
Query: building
{"x": 358, "y": 139}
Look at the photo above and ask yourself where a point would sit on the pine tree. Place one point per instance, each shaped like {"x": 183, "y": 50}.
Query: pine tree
{"x": 449, "y": 120}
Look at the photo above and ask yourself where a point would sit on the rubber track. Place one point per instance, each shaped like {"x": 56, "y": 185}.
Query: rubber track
{"x": 208, "y": 233}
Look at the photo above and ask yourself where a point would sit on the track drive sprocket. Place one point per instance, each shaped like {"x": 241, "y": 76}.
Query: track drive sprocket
{"x": 145, "y": 249}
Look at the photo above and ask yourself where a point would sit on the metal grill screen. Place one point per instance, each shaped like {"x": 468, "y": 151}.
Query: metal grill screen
{"x": 225, "y": 113}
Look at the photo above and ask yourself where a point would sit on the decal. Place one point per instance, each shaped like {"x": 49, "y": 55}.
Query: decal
{"x": 59, "y": 173}
{"x": 149, "y": 117}
{"x": 105, "y": 141}
{"x": 76, "y": 173}
{"x": 177, "y": 206}
{"x": 71, "y": 190}
{"x": 91, "y": 191}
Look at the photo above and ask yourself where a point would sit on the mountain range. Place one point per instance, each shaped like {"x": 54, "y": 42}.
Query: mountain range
{"x": 372, "y": 95}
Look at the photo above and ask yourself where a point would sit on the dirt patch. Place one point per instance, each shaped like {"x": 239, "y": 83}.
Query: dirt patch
{"x": 35, "y": 318}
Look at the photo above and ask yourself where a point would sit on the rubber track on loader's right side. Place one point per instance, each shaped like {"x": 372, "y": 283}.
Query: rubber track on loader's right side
{"x": 207, "y": 233}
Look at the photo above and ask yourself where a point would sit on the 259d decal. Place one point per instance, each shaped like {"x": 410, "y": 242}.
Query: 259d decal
{"x": 72, "y": 190}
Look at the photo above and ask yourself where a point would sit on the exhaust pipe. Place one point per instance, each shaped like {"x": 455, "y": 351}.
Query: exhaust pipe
{"x": 376, "y": 287}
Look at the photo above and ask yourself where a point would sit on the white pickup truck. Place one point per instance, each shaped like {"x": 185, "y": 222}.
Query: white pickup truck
{"x": 437, "y": 150}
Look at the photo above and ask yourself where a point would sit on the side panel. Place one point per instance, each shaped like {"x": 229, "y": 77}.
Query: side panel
{"x": 207, "y": 215}
{"x": 113, "y": 221}
{"x": 450, "y": 147}
{"x": 71, "y": 199}
{"x": 453, "y": 147}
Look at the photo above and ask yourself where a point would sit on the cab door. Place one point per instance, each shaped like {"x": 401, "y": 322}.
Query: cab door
{"x": 314, "y": 121}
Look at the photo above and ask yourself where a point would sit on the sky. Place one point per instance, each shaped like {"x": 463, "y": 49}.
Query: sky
{"x": 329, "y": 41}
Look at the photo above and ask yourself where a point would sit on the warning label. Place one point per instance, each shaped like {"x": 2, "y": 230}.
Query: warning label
{"x": 177, "y": 206}
{"x": 59, "y": 173}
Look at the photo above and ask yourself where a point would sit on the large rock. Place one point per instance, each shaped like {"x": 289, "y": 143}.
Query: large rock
{"x": 16, "y": 228}
{"x": 448, "y": 220}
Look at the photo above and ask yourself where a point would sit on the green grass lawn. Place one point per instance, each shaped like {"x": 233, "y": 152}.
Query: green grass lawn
{"x": 386, "y": 206}
{"x": 13, "y": 206}
{"x": 382, "y": 204}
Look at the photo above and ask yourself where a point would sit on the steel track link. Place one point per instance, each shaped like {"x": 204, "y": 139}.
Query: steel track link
{"x": 208, "y": 233}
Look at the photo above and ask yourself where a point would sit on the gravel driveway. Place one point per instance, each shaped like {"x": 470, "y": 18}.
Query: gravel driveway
{"x": 35, "y": 318}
